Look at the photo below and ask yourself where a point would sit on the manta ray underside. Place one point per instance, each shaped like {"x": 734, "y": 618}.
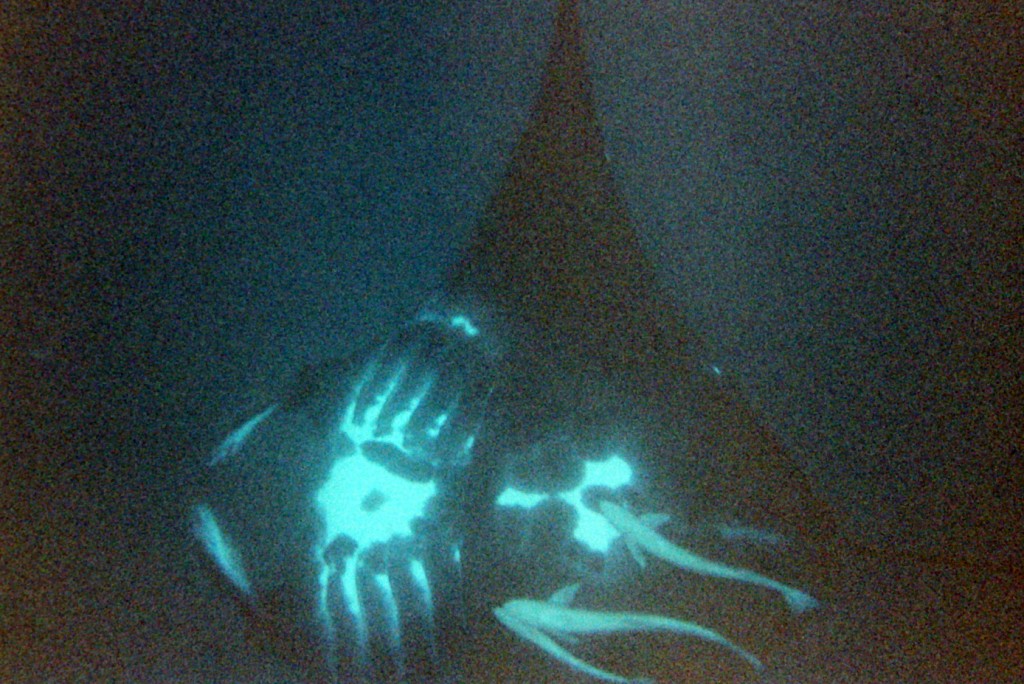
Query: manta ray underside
{"x": 592, "y": 396}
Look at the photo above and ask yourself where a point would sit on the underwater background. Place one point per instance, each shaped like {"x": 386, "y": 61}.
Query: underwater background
{"x": 199, "y": 201}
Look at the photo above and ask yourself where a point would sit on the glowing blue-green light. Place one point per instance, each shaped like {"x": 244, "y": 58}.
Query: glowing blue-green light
{"x": 591, "y": 530}
{"x": 233, "y": 443}
{"x": 362, "y": 500}
{"x": 352, "y": 480}
{"x": 465, "y": 325}
{"x": 514, "y": 497}
{"x": 221, "y": 548}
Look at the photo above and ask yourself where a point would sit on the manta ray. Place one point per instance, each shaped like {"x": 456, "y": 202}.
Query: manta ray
{"x": 372, "y": 518}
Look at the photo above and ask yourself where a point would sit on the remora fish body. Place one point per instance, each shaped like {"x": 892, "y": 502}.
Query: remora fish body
{"x": 542, "y": 622}
{"x": 640, "y": 536}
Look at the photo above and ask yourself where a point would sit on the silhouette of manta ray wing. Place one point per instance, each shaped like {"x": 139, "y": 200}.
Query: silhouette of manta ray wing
{"x": 556, "y": 250}
{"x": 600, "y": 359}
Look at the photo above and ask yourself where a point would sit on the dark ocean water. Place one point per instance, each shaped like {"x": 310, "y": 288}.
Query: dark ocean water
{"x": 198, "y": 202}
